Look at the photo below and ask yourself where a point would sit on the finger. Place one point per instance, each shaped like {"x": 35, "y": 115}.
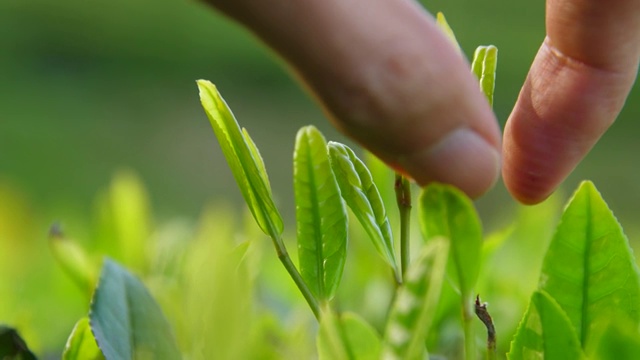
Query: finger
{"x": 576, "y": 87}
{"x": 388, "y": 78}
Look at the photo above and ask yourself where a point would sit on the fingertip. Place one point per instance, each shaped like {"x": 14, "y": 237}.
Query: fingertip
{"x": 562, "y": 110}
{"x": 526, "y": 188}
{"x": 531, "y": 157}
{"x": 462, "y": 158}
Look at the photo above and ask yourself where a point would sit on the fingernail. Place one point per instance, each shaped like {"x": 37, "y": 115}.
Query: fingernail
{"x": 463, "y": 158}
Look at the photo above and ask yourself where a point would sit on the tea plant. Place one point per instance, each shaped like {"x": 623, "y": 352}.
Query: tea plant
{"x": 205, "y": 301}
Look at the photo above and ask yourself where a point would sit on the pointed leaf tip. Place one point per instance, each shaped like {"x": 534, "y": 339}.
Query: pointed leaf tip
{"x": 444, "y": 26}
{"x": 589, "y": 268}
{"x": 243, "y": 158}
{"x": 81, "y": 345}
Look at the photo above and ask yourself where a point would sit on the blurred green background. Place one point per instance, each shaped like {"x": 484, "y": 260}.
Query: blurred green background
{"x": 87, "y": 88}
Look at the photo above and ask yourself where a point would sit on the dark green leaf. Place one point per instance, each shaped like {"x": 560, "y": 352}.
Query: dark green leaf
{"x": 243, "y": 159}
{"x": 81, "y": 344}
{"x": 362, "y": 196}
{"x": 589, "y": 268}
{"x": 545, "y": 333}
{"x": 416, "y": 302}
{"x": 12, "y": 346}
{"x": 126, "y": 321}
{"x": 447, "y": 212}
{"x": 320, "y": 214}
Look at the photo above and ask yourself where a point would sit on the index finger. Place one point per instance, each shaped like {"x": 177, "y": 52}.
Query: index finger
{"x": 576, "y": 87}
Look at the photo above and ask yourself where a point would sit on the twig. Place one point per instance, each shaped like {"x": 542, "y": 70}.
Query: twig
{"x": 483, "y": 315}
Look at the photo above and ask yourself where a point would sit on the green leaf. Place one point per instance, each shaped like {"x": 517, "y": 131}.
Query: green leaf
{"x": 384, "y": 178}
{"x": 126, "y": 321}
{"x": 444, "y": 26}
{"x": 243, "y": 158}
{"x": 12, "y": 346}
{"x": 620, "y": 340}
{"x": 416, "y": 302}
{"x": 447, "y": 212}
{"x": 478, "y": 61}
{"x": 320, "y": 214}
{"x": 217, "y": 285}
{"x": 545, "y": 332}
{"x": 73, "y": 260}
{"x": 256, "y": 155}
{"x": 362, "y": 196}
{"x": 330, "y": 342}
{"x": 131, "y": 218}
{"x": 81, "y": 344}
{"x": 589, "y": 268}
{"x": 484, "y": 64}
{"x": 347, "y": 336}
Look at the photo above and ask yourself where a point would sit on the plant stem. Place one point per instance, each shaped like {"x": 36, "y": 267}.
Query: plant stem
{"x": 283, "y": 255}
{"x": 467, "y": 324}
{"x": 403, "y": 198}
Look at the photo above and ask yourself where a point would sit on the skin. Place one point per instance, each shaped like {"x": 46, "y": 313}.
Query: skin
{"x": 389, "y": 78}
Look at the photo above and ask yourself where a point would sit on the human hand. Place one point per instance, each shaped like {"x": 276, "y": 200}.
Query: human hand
{"x": 390, "y": 79}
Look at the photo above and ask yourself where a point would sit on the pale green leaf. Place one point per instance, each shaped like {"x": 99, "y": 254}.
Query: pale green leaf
{"x": 330, "y": 342}
{"x": 589, "y": 268}
{"x": 126, "y": 322}
{"x": 320, "y": 213}
{"x": 73, "y": 260}
{"x": 384, "y": 178}
{"x": 362, "y": 196}
{"x": 258, "y": 158}
{"x": 478, "y": 61}
{"x": 217, "y": 288}
{"x": 484, "y": 64}
{"x": 243, "y": 159}
{"x": 545, "y": 333}
{"x": 444, "y": 26}
{"x": 124, "y": 221}
{"x": 81, "y": 344}
{"x": 447, "y": 212}
{"x": 347, "y": 336}
{"x": 131, "y": 216}
{"x": 414, "y": 308}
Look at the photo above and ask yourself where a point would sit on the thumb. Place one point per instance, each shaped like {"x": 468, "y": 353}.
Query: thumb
{"x": 388, "y": 78}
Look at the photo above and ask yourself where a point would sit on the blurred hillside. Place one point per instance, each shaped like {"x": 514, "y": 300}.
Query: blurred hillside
{"x": 90, "y": 87}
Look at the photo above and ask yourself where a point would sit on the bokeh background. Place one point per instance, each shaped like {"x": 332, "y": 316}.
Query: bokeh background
{"x": 90, "y": 87}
